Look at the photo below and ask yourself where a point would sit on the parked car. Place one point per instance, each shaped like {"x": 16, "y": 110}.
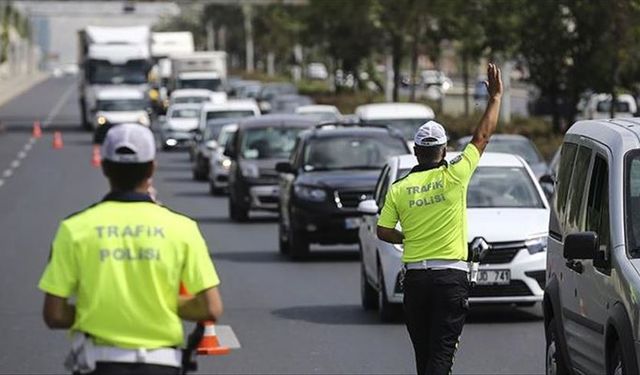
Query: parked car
{"x": 507, "y": 210}
{"x": 219, "y": 164}
{"x": 513, "y": 144}
{"x": 317, "y": 71}
{"x": 255, "y": 149}
{"x": 598, "y": 106}
{"x": 205, "y": 147}
{"x": 591, "y": 304}
{"x": 322, "y": 112}
{"x": 178, "y": 126}
{"x": 269, "y": 91}
{"x": 330, "y": 171}
{"x": 406, "y": 117}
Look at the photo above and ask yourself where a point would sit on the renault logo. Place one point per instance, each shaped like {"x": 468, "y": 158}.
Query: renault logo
{"x": 479, "y": 247}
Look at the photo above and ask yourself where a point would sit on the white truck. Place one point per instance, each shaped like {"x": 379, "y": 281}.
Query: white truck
{"x": 199, "y": 70}
{"x": 164, "y": 46}
{"x": 109, "y": 56}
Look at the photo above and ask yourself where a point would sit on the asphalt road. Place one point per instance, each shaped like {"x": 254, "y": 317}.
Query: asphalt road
{"x": 290, "y": 317}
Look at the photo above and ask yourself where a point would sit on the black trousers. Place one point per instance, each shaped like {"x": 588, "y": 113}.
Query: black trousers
{"x": 435, "y": 304}
{"x": 118, "y": 368}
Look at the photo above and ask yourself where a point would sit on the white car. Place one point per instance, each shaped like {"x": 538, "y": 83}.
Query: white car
{"x": 179, "y": 125}
{"x": 219, "y": 164}
{"x": 196, "y": 96}
{"x": 120, "y": 105}
{"x": 598, "y": 107}
{"x": 232, "y": 109}
{"x": 506, "y": 208}
{"x": 322, "y": 112}
{"x": 406, "y": 117}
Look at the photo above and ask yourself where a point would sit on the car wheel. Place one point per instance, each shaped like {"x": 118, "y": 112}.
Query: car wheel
{"x": 618, "y": 364}
{"x": 298, "y": 244}
{"x": 386, "y": 310}
{"x": 283, "y": 240}
{"x": 368, "y": 293}
{"x": 214, "y": 190}
{"x": 236, "y": 212}
{"x": 554, "y": 364}
{"x": 198, "y": 175}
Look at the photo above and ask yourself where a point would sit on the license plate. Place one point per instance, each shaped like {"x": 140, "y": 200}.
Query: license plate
{"x": 494, "y": 277}
{"x": 352, "y": 222}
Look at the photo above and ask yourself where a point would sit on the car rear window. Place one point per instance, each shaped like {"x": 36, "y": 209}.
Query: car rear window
{"x": 351, "y": 152}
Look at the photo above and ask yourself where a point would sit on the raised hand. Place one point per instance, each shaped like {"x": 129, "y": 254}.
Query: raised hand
{"x": 494, "y": 82}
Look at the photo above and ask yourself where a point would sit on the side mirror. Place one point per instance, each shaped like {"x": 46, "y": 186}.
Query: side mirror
{"x": 285, "y": 167}
{"x": 547, "y": 179}
{"x": 583, "y": 245}
{"x": 368, "y": 207}
{"x": 211, "y": 145}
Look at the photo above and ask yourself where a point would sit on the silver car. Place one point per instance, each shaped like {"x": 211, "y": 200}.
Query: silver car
{"x": 219, "y": 164}
{"x": 592, "y": 293}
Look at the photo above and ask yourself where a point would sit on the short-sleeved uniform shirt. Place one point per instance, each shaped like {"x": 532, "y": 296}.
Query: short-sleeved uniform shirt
{"x": 124, "y": 259}
{"x": 430, "y": 203}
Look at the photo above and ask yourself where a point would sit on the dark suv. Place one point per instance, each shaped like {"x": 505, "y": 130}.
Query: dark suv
{"x": 255, "y": 149}
{"x": 330, "y": 171}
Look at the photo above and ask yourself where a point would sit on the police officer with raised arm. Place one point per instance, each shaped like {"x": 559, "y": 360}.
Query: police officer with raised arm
{"x": 430, "y": 204}
{"x": 123, "y": 260}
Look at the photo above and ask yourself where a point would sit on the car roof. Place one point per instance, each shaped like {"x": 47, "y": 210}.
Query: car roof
{"x": 488, "y": 159}
{"x": 314, "y": 108}
{"x": 120, "y": 93}
{"x": 274, "y": 120}
{"x": 620, "y": 134}
{"x": 388, "y": 111}
{"x": 328, "y": 131}
{"x": 190, "y": 92}
{"x": 232, "y": 104}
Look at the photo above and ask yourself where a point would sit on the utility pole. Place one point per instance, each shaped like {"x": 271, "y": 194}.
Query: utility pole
{"x": 248, "y": 32}
{"x": 211, "y": 36}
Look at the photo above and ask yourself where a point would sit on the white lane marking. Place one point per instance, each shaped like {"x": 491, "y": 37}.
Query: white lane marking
{"x": 56, "y": 109}
{"x": 32, "y": 141}
{"x": 227, "y": 337}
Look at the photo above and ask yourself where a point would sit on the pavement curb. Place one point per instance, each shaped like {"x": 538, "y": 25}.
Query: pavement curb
{"x": 14, "y": 87}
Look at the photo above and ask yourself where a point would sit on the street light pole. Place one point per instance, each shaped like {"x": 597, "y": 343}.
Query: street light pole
{"x": 248, "y": 34}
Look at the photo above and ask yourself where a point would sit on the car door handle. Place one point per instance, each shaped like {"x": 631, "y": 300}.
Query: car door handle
{"x": 575, "y": 265}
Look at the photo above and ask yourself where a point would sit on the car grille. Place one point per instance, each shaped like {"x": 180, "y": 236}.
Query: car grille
{"x": 517, "y": 288}
{"x": 351, "y": 199}
{"x": 502, "y": 252}
{"x": 539, "y": 276}
{"x": 266, "y": 199}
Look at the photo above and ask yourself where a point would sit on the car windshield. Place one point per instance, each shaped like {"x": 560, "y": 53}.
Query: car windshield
{"x": 520, "y": 147}
{"x": 185, "y": 113}
{"x": 103, "y": 72}
{"x": 488, "y": 188}
{"x": 212, "y": 84}
{"x": 605, "y": 106}
{"x": 238, "y": 113}
{"x": 632, "y": 203}
{"x": 268, "y": 143}
{"x": 407, "y": 126}
{"x": 190, "y": 99}
{"x": 502, "y": 187}
{"x": 321, "y": 116}
{"x": 351, "y": 152}
{"x": 125, "y": 105}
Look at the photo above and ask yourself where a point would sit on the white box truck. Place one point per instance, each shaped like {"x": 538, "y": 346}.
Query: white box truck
{"x": 199, "y": 70}
{"x": 109, "y": 56}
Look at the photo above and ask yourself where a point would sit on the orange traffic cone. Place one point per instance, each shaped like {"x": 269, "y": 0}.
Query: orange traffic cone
{"x": 57, "y": 140}
{"x": 209, "y": 344}
{"x": 95, "y": 157}
{"x": 37, "y": 130}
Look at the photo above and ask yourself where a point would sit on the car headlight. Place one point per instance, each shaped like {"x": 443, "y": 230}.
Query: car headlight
{"x": 310, "y": 193}
{"x": 144, "y": 120}
{"x": 225, "y": 163}
{"x": 536, "y": 245}
{"x": 101, "y": 120}
{"x": 249, "y": 170}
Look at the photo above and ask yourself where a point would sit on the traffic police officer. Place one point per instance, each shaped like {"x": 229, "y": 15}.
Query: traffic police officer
{"x": 430, "y": 204}
{"x": 123, "y": 259}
